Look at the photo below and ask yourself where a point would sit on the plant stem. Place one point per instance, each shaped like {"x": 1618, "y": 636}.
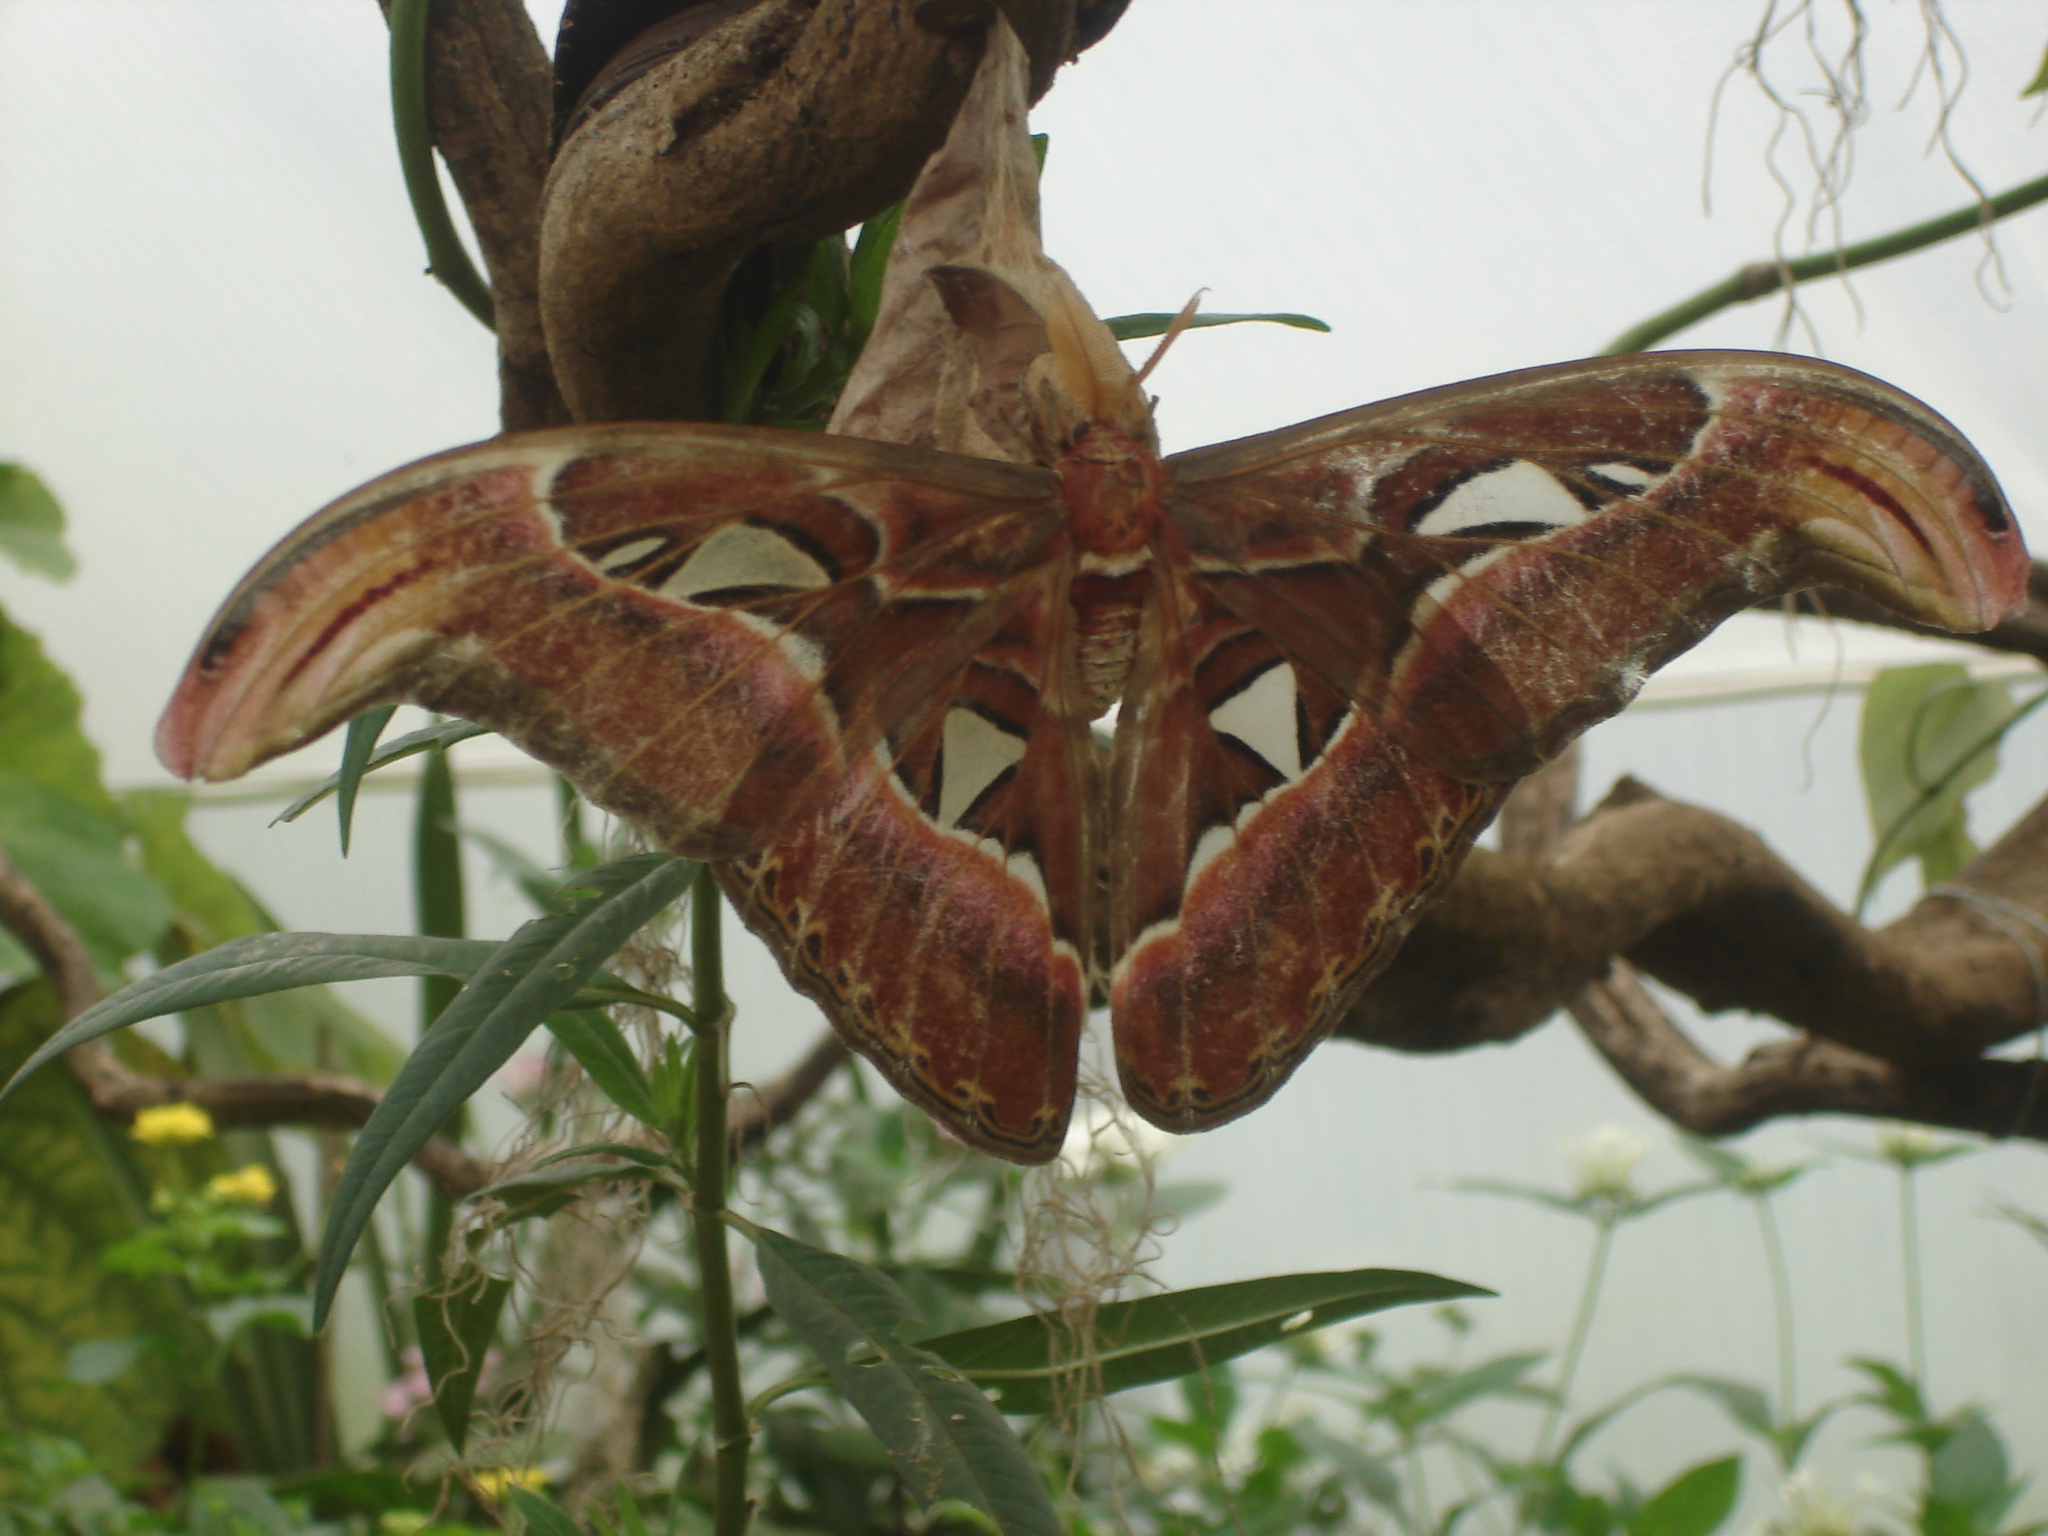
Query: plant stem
{"x": 1781, "y": 1298}
{"x": 731, "y": 1432}
{"x": 1589, "y": 1298}
{"x": 447, "y": 259}
{"x": 1766, "y": 277}
{"x": 1909, "y": 1239}
{"x": 442, "y": 909}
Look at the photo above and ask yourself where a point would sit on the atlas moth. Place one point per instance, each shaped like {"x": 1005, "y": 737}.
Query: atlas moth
{"x": 861, "y": 669}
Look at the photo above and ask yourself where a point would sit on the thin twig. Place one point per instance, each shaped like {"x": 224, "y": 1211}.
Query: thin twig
{"x": 1761, "y": 278}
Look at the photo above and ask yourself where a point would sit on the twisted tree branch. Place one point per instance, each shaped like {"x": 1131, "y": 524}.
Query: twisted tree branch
{"x": 1898, "y": 1018}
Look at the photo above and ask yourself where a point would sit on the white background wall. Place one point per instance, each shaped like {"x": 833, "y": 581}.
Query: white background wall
{"x": 212, "y": 321}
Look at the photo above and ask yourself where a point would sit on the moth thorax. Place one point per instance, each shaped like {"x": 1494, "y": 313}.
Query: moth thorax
{"x": 1112, "y": 484}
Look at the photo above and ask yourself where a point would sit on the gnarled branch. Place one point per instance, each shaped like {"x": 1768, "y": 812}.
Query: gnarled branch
{"x": 1897, "y": 1018}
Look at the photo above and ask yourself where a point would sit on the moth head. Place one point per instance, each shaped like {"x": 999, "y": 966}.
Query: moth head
{"x": 1045, "y": 368}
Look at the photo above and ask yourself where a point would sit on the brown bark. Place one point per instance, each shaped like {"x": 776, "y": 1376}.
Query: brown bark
{"x": 788, "y": 122}
{"x": 1895, "y": 1020}
{"x": 489, "y": 93}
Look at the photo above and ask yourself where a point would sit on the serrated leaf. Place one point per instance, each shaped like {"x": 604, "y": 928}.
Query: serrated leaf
{"x": 445, "y": 734}
{"x": 1138, "y": 327}
{"x": 455, "y": 1332}
{"x": 535, "y": 973}
{"x": 601, "y": 1051}
{"x": 1183, "y": 1333}
{"x": 32, "y": 525}
{"x": 946, "y": 1439}
{"x": 1693, "y": 1503}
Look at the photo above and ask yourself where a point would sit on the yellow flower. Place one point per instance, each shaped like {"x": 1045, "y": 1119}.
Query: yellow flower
{"x": 252, "y": 1185}
{"x": 493, "y": 1481}
{"x": 171, "y": 1125}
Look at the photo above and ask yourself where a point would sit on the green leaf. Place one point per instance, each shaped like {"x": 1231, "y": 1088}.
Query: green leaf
{"x": 96, "y": 1362}
{"x": 69, "y": 1190}
{"x": 40, "y": 736}
{"x": 1743, "y": 1403}
{"x": 540, "y": 1514}
{"x": 869, "y": 261}
{"x": 356, "y": 748}
{"x": 455, "y": 1332}
{"x": 74, "y": 856}
{"x": 261, "y": 963}
{"x": 533, "y": 974}
{"x": 1138, "y": 327}
{"x": 946, "y": 1439}
{"x": 1439, "y": 1397}
{"x": 1693, "y": 1503}
{"x": 2039, "y": 83}
{"x": 445, "y": 734}
{"x": 1896, "y": 1394}
{"x": 1929, "y": 736}
{"x": 601, "y": 1050}
{"x": 1183, "y": 1333}
{"x": 544, "y": 1191}
{"x": 1969, "y": 1481}
{"x": 1574, "y": 1204}
{"x": 308, "y": 1030}
{"x": 32, "y": 525}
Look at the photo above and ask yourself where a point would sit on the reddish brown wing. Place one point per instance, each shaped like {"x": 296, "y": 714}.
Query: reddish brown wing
{"x": 1367, "y": 627}
{"x": 842, "y": 660}
{"x": 940, "y": 906}
{"x": 699, "y": 626}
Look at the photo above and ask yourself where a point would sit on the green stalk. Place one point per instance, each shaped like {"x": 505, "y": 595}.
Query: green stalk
{"x": 442, "y": 914}
{"x": 732, "y": 1434}
{"x": 1582, "y": 1325}
{"x": 447, "y": 259}
{"x": 1909, "y": 1238}
{"x": 1781, "y": 1298}
{"x": 1766, "y": 277}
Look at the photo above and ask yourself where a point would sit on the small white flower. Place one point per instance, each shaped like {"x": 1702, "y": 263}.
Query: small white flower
{"x": 1810, "y": 1510}
{"x": 1905, "y": 1143}
{"x": 1604, "y": 1163}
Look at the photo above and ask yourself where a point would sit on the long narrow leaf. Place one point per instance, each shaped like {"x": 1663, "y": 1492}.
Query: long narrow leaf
{"x": 257, "y": 964}
{"x": 446, "y": 734}
{"x": 1138, "y": 327}
{"x": 455, "y": 1333}
{"x": 356, "y": 748}
{"x": 601, "y": 1050}
{"x": 1182, "y": 1333}
{"x": 535, "y": 973}
{"x": 945, "y": 1438}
